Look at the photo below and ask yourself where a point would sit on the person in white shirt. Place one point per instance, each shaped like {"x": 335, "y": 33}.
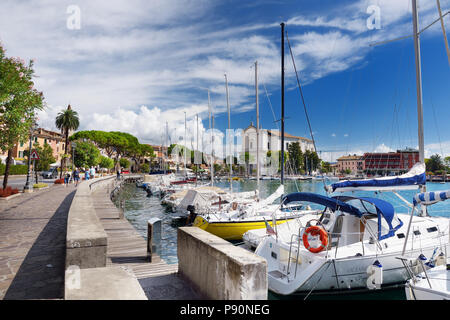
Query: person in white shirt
{"x": 92, "y": 172}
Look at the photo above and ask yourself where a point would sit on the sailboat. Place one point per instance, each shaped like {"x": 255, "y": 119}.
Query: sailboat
{"x": 355, "y": 242}
{"x": 433, "y": 282}
{"x": 230, "y": 221}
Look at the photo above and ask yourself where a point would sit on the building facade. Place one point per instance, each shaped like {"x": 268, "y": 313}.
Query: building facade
{"x": 270, "y": 140}
{"x": 351, "y": 163}
{"x": 41, "y": 136}
{"x": 391, "y": 162}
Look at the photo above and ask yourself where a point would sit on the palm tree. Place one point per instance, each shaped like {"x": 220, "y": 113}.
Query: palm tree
{"x": 67, "y": 120}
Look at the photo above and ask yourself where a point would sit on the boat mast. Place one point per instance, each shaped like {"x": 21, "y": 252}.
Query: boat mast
{"x": 165, "y": 143}
{"x": 196, "y": 175}
{"x": 415, "y": 16}
{"x": 185, "y": 145}
{"x": 229, "y": 132}
{"x": 282, "y": 103}
{"x": 257, "y": 125}
{"x": 211, "y": 167}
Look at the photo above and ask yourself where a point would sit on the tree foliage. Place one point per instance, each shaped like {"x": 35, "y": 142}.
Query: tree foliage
{"x": 434, "y": 164}
{"x": 67, "y": 120}
{"x": 46, "y": 157}
{"x": 86, "y": 154}
{"x": 19, "y": 102}
{"x": 106, "y": 162}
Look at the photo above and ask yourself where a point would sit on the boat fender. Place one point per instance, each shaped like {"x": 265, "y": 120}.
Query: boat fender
{"x": 375, "y": 275}
{"x": 420, "y": 263}
{"x": 440, "y": 260}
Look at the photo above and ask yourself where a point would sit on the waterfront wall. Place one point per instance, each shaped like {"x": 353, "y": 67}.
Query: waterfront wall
{"x": 86, "y": 240}
{"x": 87, "y": 277}
{"x": 218, "y": 269}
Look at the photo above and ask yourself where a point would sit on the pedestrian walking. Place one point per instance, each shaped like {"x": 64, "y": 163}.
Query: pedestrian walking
{"x": 86, "y": 174}
{"x": 92, "y": 172}
{"x": 76, "y": 176}
{"x": 118, "y": 174}
{"x": 66, "y": 178}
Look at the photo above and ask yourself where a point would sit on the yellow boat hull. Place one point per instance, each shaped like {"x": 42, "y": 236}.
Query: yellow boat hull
{"x": 231, "y": 230}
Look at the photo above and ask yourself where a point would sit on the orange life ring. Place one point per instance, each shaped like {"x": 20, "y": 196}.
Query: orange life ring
{"x": 314, "y": 231}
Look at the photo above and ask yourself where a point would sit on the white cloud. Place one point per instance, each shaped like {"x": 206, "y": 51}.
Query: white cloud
{"x": 165, "y": 52}
{"x": 442, "y": 149}
{"x": 383, "y": 148}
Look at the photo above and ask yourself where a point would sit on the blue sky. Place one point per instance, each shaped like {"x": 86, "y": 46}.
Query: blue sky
{"x": 135, "y": 65}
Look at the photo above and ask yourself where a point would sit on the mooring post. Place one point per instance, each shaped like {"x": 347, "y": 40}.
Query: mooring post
{"x": 153, "y": 236}
{"x": 122, "y": 209}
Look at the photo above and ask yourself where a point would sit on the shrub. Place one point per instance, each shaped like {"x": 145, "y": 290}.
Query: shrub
{"x": 40, "y": 185}
{"x": 14, "y": 169}
{"x": 59, "y": 181}
{"x": 8, "y": 191}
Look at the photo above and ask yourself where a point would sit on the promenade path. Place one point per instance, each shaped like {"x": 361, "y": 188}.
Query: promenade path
{"x": 128, "y": 249}
{"x": 33, "y": 243}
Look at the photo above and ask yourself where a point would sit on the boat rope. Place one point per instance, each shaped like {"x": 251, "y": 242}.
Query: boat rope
{"x": 443, "y": 30}
{"x": 320, "y": 278}
{"x": 301, "y": 92}
{"x": 276, "y": 122}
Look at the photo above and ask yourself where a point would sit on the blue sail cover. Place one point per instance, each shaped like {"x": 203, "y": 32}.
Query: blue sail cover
{"x": 332, "y": 203}
{"x": 385, "y": 211}
{"x": 410, "y": 180}
{"x": 427, "y": 198}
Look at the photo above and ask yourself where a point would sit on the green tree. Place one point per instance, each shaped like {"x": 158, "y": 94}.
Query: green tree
{"x": 312, "y": 161}
{"x": 326, "y": 166}
{"x": 66, "y": 120}
{"x": 46, "y": 157}
{"x": 106, "y": 162}
{"x": 19, "y": 102}
{"x": 145, "y": 168}
{"x": 124, "y": 163}
{"x": 295, "y": 156}
{"x": 86, "y": 154}
{"x": 217, "y": 167}
{"x": 434, "y": 164}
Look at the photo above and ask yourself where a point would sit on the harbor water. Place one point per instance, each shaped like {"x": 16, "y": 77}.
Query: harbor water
{"x": 139, "y": 208}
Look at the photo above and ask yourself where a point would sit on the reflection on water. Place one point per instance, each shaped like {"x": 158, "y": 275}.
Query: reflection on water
{"x": 139, "y": 209}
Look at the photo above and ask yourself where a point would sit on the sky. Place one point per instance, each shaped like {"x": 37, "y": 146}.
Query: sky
{"x": 136, "y": 65}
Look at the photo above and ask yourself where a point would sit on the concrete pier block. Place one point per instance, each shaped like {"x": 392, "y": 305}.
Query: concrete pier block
{"x": 108, "y": 283}
{"x": 218, "y": 269}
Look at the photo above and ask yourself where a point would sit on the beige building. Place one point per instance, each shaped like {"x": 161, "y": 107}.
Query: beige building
{"x": 42, "y": 136}
{"x": 270, "y": 140}
{"x": 353, "y": 163}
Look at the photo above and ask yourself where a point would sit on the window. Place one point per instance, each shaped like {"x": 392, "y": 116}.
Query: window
{"x": 432, "y": 229}
{"x": 400, "y": 235}
{"x": 20, "y": 154}
{"x": 21, "y": 144}
{"x": 416, "y": 232}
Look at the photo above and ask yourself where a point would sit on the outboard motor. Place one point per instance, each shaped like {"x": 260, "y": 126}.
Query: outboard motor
{"x": 191, "y": 209}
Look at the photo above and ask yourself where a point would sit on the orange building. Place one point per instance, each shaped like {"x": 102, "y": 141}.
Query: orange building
{"x": 353, "y": 163}
{"x": 42, "y": 136}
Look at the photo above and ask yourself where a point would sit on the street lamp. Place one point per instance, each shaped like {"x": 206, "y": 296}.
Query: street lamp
{"x": 74, "y": 145}
{"x": 28, "y": 185}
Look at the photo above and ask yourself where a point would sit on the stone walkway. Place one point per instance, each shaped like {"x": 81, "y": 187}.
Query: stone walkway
{"x": 32, "y": 244}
